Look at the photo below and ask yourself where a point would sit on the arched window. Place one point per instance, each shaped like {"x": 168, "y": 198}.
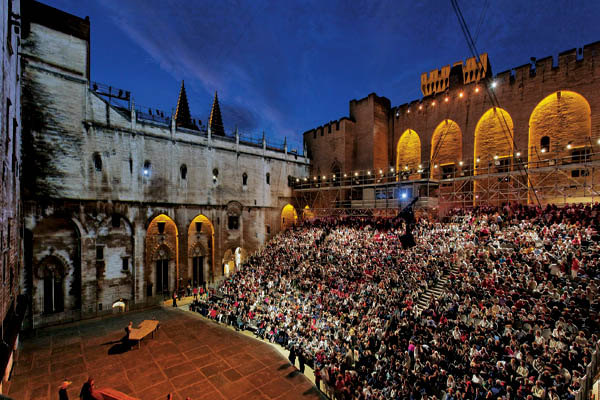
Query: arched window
{"x": 147, "y": 171}
{"x": 183, "y": 171}
{"x": 97, "y": 162}
{"x": 244, "y": 179}
{"x": 545, "y": 144}
{"x": 268, "y": 178}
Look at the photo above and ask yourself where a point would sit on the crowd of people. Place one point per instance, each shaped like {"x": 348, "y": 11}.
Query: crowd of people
{"x": 517, "y": 319}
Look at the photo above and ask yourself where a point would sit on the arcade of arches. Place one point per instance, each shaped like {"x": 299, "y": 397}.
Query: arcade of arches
{"x": 559, "y": 129}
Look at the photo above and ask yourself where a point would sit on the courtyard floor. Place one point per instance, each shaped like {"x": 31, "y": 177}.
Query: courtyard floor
{"x": 189, "y": 356}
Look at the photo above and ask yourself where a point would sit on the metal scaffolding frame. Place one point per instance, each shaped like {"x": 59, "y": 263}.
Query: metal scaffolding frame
{"x": 464, "y": 184}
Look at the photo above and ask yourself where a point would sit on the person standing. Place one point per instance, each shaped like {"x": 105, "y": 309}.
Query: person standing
{"x": 62, "y": 390}
{"x": 301, "y": 360}
{"x": 174, "y": 298}
{"x": 86, "y": 390}
{"x": 292, "y": 356}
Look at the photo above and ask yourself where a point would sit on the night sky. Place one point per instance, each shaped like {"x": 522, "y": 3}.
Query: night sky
{"x": 285, "y": 67}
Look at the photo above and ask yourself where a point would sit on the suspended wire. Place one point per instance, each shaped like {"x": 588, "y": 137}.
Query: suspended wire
{"x": 491, "y": 94}
{"x": 486, "y": 6}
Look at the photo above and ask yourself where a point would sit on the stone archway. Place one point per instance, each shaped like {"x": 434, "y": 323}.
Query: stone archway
{"x": 408, "y": 154}
{"x": 233, "y": 260}
{"x": 161, "y": 272}
{"x": 289, "y": 217}
{"x": 201, "y": 236}
{"x": 446, "y": 149}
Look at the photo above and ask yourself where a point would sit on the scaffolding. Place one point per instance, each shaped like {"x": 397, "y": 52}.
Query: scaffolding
{"x": 548, "y": 179}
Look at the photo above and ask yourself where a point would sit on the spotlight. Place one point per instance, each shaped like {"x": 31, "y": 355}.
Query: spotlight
{"x": 460, "y": 163}
{"x": 356, "y": 174}
{"x": 403, "y": 195}
{"x": 477, "y": 159}
{"x": 421, "y": 107}
{"x": 368, "y": 172}
{"x": 477, "y": 89}
{"x": 380, "y": 171}
{"x": 392, "y": 169}
{"x": 345, "y": 175}
{"x": 435, "y": 166}
{"x": 420, "y": 166}
{"x": 496, "y": 157}
{"x": 446, "y": 99}
{"x": 569, "y": 146}
{"x": 543, "y": 150}
{"x": 297, "y": 180}
{"x": 433, "y": 103}
{"x": 518, "y": 154}
{"x": 494, "y": 84}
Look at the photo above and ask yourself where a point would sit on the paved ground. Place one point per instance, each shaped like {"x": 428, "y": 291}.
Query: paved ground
{"x": 189, "y": 357}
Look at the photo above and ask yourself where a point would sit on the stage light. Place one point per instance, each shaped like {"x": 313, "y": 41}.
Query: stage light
{"x": 477, "y": 90}
{"x": 356, "y": 174}
{"x": 435, "y": 166}
{"x": 297, "y": 180}
{"x": 380, "y": 171}
{"x": 315, "y": 178}
{"x": 433, "y": 103}
{"x": 345, "y": 175}
{"x": 494, "y": 84}
{"x": 496, "y": 157}
{"x": 368, "y": 172}
{"x": 460, "y": 163}
{"x": 421, "y": 107}
{"x": 477, "y": 160}
{"x": 420, "y": 166}
{"x": 391, "y": 169}
{"x": 403, "y": 195}
{"x": 324, "y": 177}
{"x": 543, "y": 150}
{"x": 518, "y": 154}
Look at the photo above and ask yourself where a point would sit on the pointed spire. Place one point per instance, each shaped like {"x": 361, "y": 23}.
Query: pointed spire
{"x": 182, "y": 112}
{"x": 215, "y": 121}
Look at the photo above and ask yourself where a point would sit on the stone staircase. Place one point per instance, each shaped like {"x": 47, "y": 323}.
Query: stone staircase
{"x": 435, "y": 291}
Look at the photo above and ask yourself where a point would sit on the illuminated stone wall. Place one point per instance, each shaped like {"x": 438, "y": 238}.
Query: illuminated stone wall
{"x": 408, "y": 151}
{"x": 446, "y": 147}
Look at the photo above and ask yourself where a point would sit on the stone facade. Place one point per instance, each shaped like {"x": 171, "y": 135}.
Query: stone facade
{"x": 457, "y": 124}
{"x": 122, "y": 206}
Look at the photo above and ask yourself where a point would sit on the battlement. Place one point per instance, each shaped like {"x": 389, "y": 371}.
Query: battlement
{"x": 438, "y": 80}
{"x": 333, "y": 126}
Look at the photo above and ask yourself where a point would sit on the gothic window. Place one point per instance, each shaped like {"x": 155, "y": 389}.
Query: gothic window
{"x": 244, "y": 179}
{"x": 97, "y": 162}
{"x": 545, "y": 144}
{"x": 268, "y": 178}
{"x": 125, "y": 263}
{"x": 53, "y": 293}
{"x": 233, "y": 222}
{"x": 147, "y": 171}
{"x": 183, "y": 171}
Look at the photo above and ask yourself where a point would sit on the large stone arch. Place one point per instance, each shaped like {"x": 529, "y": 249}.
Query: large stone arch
{"x": 289, "y": 217}
{"x": 201, "y": 252}
{"x": 233, "y": 260}
{"x": 446, "y": 147}
{"x": 565, "y": 118}
{"x": 493, "y": 151}
{"x": 408, "y": 153}
{"x": 560, "y": 128}
{"x": 161, "y": 272}
{"x": 54, "y": 250}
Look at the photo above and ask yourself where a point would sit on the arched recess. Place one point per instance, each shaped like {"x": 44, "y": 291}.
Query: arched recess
{"x": 288, "y": 216}
{"x": 233, "y": 260}
{"x": 115, "y": 236}
{"x": 161, "y": 272}
{"x": 408, "y": 153}
{"x": 446, "y": 148}
{"x": 307, "y": 213}
{"x": 564, "y": 117}
{"x": 201, "y": 253}
{"x": 56, "y": 263}
{"x": 493, "y": 150}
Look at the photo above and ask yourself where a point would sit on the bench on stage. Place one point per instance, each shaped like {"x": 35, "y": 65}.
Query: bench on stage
{"x": 146, "y": 327}
{"x": 112, "y": 394}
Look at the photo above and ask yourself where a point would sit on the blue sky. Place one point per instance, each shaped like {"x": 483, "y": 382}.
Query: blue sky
{"x": 284, "y": 67}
